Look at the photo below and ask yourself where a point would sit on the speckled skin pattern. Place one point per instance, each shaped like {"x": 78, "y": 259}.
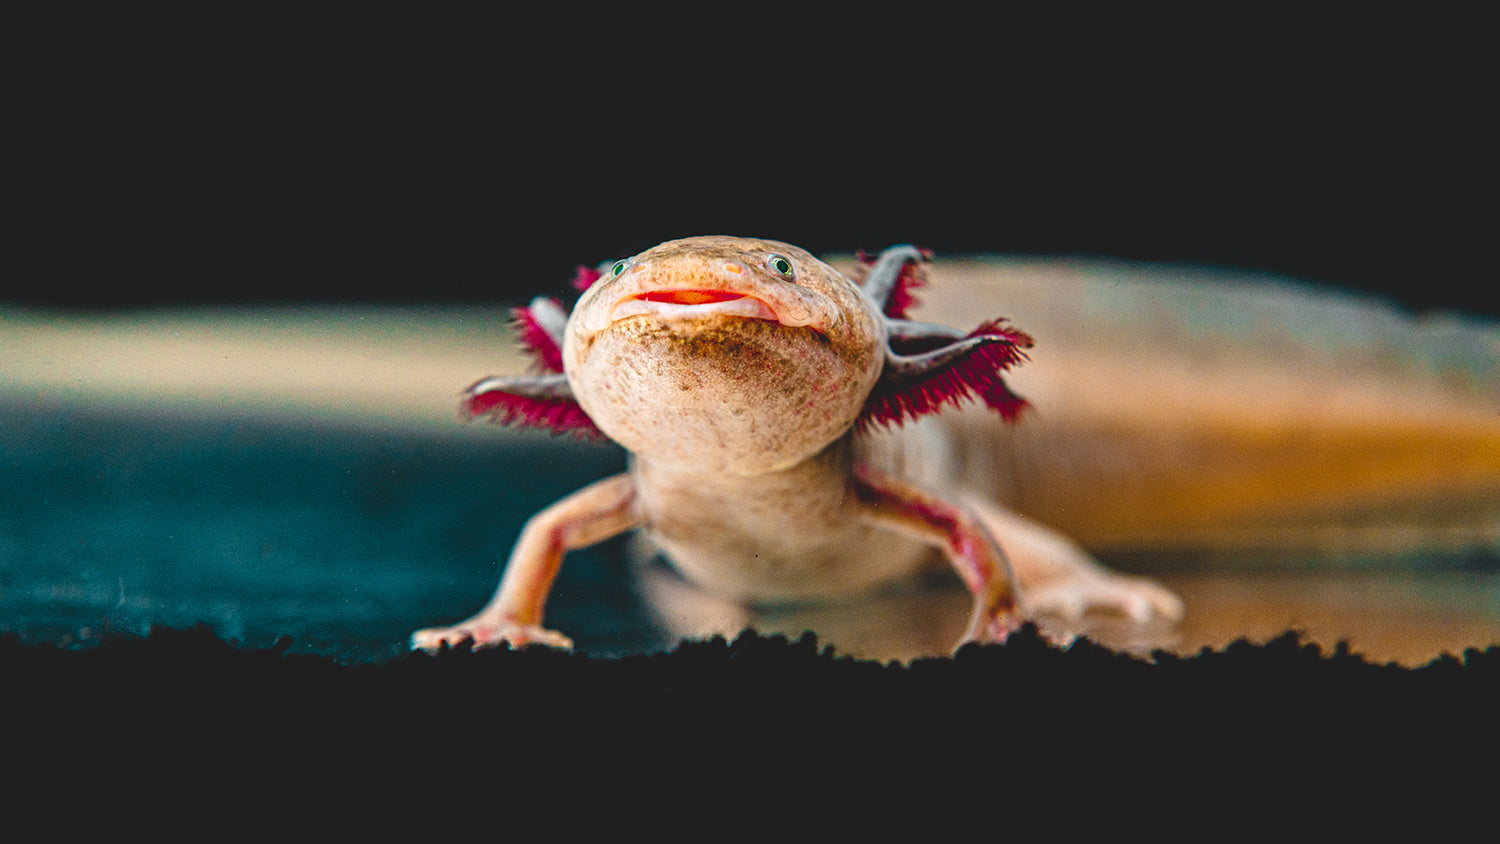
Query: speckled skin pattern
{"x": 726, "y": 394}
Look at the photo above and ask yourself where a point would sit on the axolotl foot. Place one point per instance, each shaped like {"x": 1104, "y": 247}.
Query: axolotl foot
{"x": 487, "y": 634}
{"x": 1058, "y": 578}
{"x": 990, "y": 629}
{"x": 1137, "y": 598}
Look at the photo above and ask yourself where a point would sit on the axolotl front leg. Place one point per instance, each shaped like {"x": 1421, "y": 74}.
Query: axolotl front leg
{"x": 607, "y": 508}
{"x": 966, "y": 543}
{"x": 514, "y": 615}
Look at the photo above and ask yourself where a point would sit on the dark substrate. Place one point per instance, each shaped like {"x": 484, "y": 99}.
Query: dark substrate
{"x": 1023, "y": 699}
{"x": 759, "y": 736}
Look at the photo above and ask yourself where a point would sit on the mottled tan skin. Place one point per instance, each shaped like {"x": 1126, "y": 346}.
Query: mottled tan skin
{"x": 745, "y": 468}
{"x": 725, "y": 395}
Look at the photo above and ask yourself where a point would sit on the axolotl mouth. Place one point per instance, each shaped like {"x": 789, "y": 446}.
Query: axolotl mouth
{"x": 696, "y": 304}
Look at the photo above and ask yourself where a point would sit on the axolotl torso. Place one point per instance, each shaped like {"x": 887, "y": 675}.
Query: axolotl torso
{"x": 761, "y": 395}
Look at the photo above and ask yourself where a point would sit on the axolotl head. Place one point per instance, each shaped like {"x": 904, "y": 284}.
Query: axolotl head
{"x": 740, "y": 356}
{"x": 727, "y": 354}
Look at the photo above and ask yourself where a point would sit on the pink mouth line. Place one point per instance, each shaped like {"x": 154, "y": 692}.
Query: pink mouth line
{"x": 690, "y": 297}
{"x": 690, "y": 303}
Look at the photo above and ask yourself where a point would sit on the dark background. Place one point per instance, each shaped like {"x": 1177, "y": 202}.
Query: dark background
{"x": 402, "y": 156}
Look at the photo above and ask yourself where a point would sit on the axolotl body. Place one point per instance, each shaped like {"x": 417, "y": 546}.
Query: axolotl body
{"x": 765, "y": 399}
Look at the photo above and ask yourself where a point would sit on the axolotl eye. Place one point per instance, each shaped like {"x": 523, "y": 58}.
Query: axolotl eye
{"x": 780, "y": 266}
{"x": 618, "y": 268}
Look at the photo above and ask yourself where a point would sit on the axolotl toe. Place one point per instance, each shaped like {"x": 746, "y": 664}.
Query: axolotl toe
{"x": 761, "y": 394}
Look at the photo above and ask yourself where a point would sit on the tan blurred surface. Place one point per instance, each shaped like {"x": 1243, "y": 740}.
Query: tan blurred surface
{"x": 389, "y": 366}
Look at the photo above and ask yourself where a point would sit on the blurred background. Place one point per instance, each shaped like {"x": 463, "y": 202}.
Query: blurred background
{"x": 265, "y": 188}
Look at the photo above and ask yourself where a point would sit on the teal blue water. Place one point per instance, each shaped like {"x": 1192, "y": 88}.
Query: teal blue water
{"x": 346, "y": 540}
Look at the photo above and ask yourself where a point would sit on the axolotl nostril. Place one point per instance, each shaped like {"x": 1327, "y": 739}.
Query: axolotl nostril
{"x": 753, "y": 386}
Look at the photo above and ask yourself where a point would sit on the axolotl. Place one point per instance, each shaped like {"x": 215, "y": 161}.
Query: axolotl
{"x": 766, "y": 401}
